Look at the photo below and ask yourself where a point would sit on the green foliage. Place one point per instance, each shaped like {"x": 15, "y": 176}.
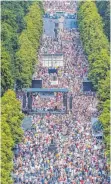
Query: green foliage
{"x": 11, "y": 111}
{"x": 96, "y": 47}
{"x": 6, "y": 152}
{"x": 104, "y": 88}
{"x": 11, "y": 132}
{"x": 95, "y": 42}
{"x": 29, "y": 42}
{"x": 6, "y": 77}
{"x": 12, "y": 24}
{"x": 20, "y": 42}
{"x": 99, "y": 67}
{"x": 20, "y": 49}
{"x": 105, "y": 119}
{"x": 104, "y": 10}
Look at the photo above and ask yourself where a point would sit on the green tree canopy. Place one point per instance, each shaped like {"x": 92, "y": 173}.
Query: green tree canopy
{"x": 11, "y": 132}
{"x": 6, "y": 152}
{"x": 12, "y": 24}
{"x": 104, "y": 88}
{"x": 96, "y": 47}
{"x": 11, "y": 111}
{"x": 29, "y": 41}
{"x": 104, "y": 10}
{"x": 6, "y": 77}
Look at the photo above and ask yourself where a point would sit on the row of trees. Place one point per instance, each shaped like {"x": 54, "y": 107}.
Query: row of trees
{"x": 29, "y": 42}
{"x": 12, "y": 19}
{"x": 21, "y": 31}
{"x": 12, "y": 24}
{"x": 104, "y": 10}
{"x": 96, "y": 48}
{"x": 11, "y": 132}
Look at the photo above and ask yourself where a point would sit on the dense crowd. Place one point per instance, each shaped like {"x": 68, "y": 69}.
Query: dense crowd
{"x": 50, "y": 46}
{"x": 44, "y": 102}
{"x": 60, "y": 149}
{"x": 60, "y": 6}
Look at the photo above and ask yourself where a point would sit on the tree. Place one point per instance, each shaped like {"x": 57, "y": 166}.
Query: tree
{"x": 6, "y": 77}
{"x": 104, "y": 10}
{"x": 29, "y": 41}
{"x": 11, "y": 133}
{"x": 105, "y": 120}
{"x": 104, "y": 88}
{"x": 96, "y": 47}
{"x": 12, "y": 24}
{"x": 6, "y": 152}
{"x": 99, "y": 68}
{"x": 11, "y": 111}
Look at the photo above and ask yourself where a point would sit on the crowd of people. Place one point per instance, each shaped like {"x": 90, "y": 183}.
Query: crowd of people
{"x": 61, "y": 149}
{"x": 50, "y": 46}
{"x": 45, "y": 102}
{"x": 60, "y": 6}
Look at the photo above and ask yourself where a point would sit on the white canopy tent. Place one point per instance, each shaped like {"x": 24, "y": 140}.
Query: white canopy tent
{"x": 52, "y": 60}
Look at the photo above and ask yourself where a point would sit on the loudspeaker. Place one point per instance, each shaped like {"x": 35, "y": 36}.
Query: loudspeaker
{"x": 24, "y": 101}
{"x": 27, "y": 94}
{"x": 87, "y": 86}
{"x": 56, "y": 33}
{"x": 52, "y": 70}
{"x": 70, "y": 102}
{"x": 65, "y": 99}
{"x": 30, "y": 102}
{"x": 36, "y": 83}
